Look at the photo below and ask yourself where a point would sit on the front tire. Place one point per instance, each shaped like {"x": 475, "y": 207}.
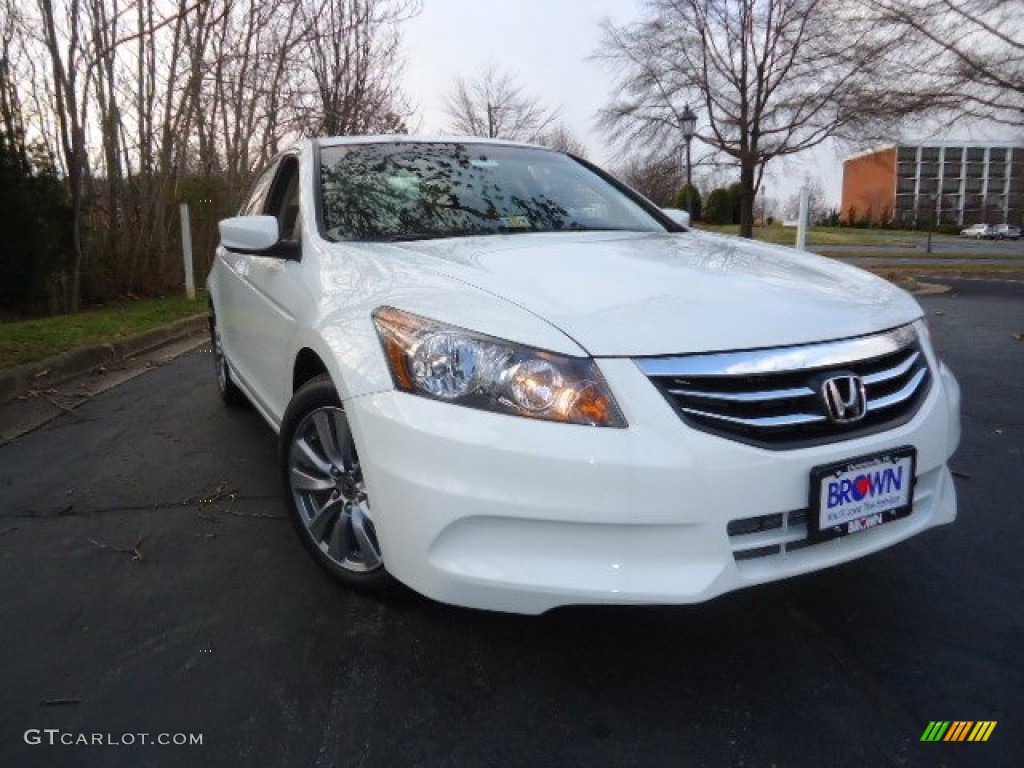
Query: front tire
{"x": 324, "y": 487}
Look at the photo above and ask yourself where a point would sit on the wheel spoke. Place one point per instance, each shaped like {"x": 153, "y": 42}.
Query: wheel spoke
{"x": 365, "y": 539}
{"x": 325, "y": 430}
{"x": 303, "y": 451}
{"x": 334, "y": 543}
{"x": 340, "y": 545}
{"x": 304, "y": 481}
{"x": 347, "y": 448}
{"x": 327, "y": 514}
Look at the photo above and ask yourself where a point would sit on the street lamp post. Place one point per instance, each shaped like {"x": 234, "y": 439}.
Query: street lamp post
{"x": 688, "y": 124}
{"x": 935, "y": 200}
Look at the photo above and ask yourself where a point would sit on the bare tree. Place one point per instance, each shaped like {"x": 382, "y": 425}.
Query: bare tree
{"x": 768, "y": 78}
{"x": 65, "y": 55}
{"x": 247, "y": 83}
{"x": 656, "y": 178}
{"x": 561, "y": 138}
{"x": 352, "y": 51}
{"x": 148, "y": 102}
{"x": 12, "y": 124}
{"x": 816, "y": 209}
{"x": 494, "y": 105}
{"x": 973, "y": 48}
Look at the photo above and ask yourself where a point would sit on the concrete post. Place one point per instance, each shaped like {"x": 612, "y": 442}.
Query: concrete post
{"x": 801, "y": 226}
{"x": 186, "y": 251}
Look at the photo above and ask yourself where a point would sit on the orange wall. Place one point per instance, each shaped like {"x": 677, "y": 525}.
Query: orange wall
{"x": 869, "y": 182}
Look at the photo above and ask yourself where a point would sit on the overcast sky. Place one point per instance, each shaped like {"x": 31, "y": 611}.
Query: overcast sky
{"x": 546, "y": 45}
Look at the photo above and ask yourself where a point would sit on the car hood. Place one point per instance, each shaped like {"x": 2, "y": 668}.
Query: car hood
{"x": 642, "y": 294}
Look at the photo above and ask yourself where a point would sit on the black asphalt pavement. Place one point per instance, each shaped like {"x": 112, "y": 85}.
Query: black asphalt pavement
{"x": 150, "y": 584}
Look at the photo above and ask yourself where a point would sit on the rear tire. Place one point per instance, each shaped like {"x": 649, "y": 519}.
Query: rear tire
{"x": 325, "y": 491}
{"x": 229, "y": 391}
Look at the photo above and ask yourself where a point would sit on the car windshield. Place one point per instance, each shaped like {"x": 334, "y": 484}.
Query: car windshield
{"x": 418, "y": 190}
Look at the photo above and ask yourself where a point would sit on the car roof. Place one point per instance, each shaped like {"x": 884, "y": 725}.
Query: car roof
{"x": 402, "y": 138}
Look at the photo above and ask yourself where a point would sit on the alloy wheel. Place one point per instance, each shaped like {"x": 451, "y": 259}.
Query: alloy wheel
{"x": 327, "y": 487}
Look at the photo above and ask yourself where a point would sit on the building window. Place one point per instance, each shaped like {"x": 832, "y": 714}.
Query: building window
{"x": 951, "y": 170}
{"x": 906, "y": 155}
{"x": 907, "y": 170}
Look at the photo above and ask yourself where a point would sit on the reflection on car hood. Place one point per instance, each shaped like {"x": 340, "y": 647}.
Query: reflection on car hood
{"x": 634, "y": 294}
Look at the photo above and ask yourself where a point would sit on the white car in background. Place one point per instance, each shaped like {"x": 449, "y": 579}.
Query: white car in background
{"x": 507, "y": 381}
{"x": 1006, "y": 232}
{"x": 979, "y": 231}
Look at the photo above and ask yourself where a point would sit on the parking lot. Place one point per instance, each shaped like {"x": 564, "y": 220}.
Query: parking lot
{"x": 151, "y": 585}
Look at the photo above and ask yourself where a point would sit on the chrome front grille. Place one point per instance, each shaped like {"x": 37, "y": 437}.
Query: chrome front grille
{"x": 774, "y": 397}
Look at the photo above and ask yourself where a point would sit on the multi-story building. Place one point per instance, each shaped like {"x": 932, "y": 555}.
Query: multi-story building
{"x": 936, "y": 182}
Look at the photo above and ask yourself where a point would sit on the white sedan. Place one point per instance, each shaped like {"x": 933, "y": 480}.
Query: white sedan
{"x": 507, "y": 381}
{"x": 979, "y": 231}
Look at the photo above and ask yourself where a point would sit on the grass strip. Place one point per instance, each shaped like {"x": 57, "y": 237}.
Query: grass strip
{"x": 25, "y": 341}
{"x": 780, "y": 235}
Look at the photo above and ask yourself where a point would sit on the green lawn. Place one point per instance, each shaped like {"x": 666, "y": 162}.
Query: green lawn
{"x": 24, "y": 341}
{"x": 776, "y": 233}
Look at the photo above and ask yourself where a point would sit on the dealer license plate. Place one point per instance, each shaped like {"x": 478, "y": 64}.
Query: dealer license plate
{"x": 861, "y": 493}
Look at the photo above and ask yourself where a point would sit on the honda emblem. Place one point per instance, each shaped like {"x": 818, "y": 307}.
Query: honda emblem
{"x": 845, "y": 398}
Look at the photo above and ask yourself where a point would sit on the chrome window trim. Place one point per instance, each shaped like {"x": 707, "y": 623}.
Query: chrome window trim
{"x": 781, "y": 359}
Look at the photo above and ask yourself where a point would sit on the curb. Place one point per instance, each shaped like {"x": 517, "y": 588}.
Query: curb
{"x": 914, "y": 286}
{"x": 59, "y": 368}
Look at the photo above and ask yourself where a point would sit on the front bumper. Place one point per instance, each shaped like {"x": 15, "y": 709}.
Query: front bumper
{"x": 500, "y": 512}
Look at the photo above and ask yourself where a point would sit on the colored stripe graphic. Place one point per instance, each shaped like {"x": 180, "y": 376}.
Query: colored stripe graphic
{"x": 958, "y": 730}
{"x": 935, "y": 730}
{"x": 982, "y": 730}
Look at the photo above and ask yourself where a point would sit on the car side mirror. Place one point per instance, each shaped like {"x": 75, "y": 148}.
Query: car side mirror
{"x": 250, "y": 234}
{"x": 258, "y": 235}
{"x": 678, "y": 215}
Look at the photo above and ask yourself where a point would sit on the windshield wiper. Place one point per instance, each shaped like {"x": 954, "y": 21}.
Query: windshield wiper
{"x": 412, "y": 237}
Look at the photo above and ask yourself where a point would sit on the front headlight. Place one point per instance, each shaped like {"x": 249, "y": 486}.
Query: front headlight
{"x": 447, "y": 363}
